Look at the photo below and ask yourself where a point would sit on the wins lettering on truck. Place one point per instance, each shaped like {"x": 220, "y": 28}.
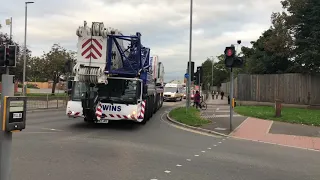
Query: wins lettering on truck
{"x": 114, "y": 82}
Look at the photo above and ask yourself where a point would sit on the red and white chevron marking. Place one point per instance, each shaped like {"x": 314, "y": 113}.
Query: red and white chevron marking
{"x": 91, "y": 48}
{"x": 76, "y": 114}
{"x": 99, "y": 112}
{"x": 141, "y": 115}
{"x": 116, "y": 116}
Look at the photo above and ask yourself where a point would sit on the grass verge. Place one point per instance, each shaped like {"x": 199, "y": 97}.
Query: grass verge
{"x": 192, "y": 117}
{"x": 290, "y": 115}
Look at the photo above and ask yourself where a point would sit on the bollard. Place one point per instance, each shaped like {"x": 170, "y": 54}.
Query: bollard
{"x": 234, "y": 103}
{"x": 228, "y": 99}
{"x": 278, "y": 108}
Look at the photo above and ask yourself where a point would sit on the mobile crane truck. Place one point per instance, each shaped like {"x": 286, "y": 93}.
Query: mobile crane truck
{"x": 114, "y": 78}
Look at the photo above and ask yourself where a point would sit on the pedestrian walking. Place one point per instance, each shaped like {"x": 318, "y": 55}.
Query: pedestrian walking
{"x": 222, "y": 94}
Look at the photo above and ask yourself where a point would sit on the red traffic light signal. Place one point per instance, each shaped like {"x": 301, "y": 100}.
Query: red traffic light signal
{"x": 230, "y": 51}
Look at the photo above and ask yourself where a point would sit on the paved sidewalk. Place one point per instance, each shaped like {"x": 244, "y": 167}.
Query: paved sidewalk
{"x": 258, "y": 130}
{"x": 218, "y": 112}
{"x": 294, "y": 135}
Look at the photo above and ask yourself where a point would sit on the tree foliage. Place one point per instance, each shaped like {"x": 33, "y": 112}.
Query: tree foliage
{"x": 46, "y": 67}
{"x": 290, "y": 45}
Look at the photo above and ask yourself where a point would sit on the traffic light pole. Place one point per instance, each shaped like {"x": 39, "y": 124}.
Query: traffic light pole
{"x": 5, "y": 137}
{"x": 231, "y": 98}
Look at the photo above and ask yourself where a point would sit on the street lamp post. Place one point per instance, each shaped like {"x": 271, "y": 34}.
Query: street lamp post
{"x": 190, "y": 49}
{"x": 25, "y": 48}
{"x": 212, "y": 71}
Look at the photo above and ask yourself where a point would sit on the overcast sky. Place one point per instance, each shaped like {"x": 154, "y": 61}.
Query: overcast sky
{"x": 164, "y": 24}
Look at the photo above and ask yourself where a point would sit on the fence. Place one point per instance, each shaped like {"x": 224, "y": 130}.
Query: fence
{"x": 289, "y": 88}
{"x": 46, "y": 102}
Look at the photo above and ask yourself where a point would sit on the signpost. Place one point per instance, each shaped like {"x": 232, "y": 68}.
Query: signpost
{"x": 186, "y": 75}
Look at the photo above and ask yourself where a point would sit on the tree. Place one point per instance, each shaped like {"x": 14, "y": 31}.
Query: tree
{"x": 18, "y": 70}
{"x": 54, "y": 63}
{"x": 303, "y": 22}
{"x": 272, "y": 52}
{"x": 217, "y": 69}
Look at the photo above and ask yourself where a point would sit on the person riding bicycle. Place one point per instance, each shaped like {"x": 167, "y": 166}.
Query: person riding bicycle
{"x": 197, "y": 99}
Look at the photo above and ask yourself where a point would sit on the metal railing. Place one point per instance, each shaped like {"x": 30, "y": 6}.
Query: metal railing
{"x": 46, "y": 102}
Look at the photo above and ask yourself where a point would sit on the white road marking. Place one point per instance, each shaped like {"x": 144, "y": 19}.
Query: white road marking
{"x": 153, "y": 179}
{"x": 219, "y": 142}
{"x": 214, "y": 145}
{"x": 178, "y": 165}
{"x": 218, "y": 109}
{"x": 223, "y": 139}
{"x": 196, "y": 155}
{"x": 227, "y": 115}
{"x": 37, "y": 133}
{"x": 209, "y": 148}
{"x": 226, "y": 111}
{"x": 220, "y": 129}
{"x": 166, "y": 171}
{"x": 51, "y": 129}
{"x": 188, "y": 159}
{"x": 203, "y": 151}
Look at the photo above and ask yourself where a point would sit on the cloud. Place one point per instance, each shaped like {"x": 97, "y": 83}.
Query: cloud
{"x": 164, "y": 25}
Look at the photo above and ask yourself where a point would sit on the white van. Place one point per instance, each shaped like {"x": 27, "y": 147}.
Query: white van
{"x": 173, "y": 92}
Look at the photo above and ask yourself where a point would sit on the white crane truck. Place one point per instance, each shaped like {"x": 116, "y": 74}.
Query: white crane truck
{"x": 113, "y": 81}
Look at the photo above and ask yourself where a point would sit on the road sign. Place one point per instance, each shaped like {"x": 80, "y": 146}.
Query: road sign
{"x": 186, "y": 75}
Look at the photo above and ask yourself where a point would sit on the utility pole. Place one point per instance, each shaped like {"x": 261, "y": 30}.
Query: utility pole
{"x": 24, "y": 89}
{"x": 190, "y": 54}
{"x": 9, "y": 23}
{"x": 211, "y": 72}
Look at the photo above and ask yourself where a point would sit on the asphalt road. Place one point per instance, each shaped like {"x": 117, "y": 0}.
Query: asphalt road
{"x": 54, "y": 147}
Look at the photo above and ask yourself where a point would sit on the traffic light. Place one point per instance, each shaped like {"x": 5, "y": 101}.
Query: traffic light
{"x": 231, "y": 59}
{"x": 196, "y": 78}
{"x": 192, "y": 69}
{"x": 230, "y": 53}
{"x": 67, "y": 66}
{"x": 238, "y": 62}
{"x": 2, "y": 55}
{"x": 199, "y": 69}
{"x": 11, "y": 56}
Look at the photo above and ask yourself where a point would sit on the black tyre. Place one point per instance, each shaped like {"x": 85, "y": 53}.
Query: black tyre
{"x": 147, "y": 107}
{"x": 151, "y": 106}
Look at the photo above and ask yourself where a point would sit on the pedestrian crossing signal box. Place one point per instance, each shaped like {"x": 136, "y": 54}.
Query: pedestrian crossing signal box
{"x": 14, "y": 113}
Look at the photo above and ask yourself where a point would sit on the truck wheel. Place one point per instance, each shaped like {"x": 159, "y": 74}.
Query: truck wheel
{"x": 161, "y": 101}
{"x": 147, "y": 113}
{"x": 151, "y": 106}
{"x": 88, "y": 121}
{"x": 156, "y": 104}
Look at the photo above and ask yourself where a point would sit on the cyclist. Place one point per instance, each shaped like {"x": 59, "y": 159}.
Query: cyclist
{"x": 197, "y": 99}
